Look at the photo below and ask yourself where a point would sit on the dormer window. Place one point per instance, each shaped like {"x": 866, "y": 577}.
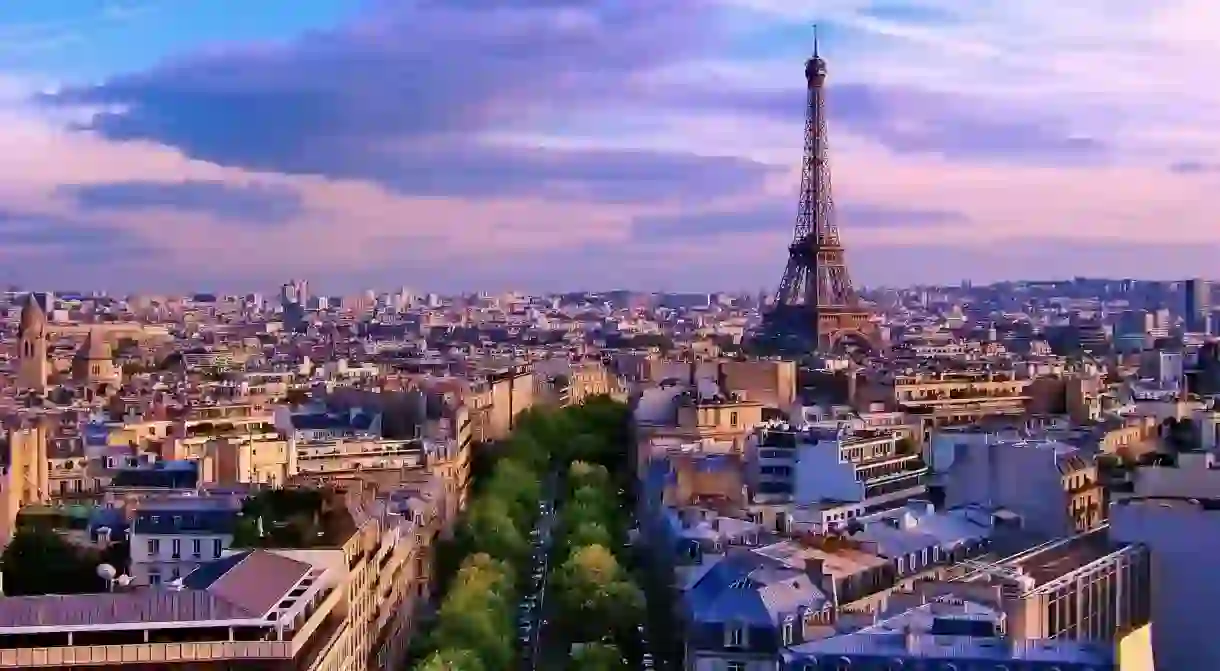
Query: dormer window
{"x": 788, "y": 632}
{"x": 734, "y": 636}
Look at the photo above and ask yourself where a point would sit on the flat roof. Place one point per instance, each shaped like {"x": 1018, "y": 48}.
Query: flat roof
{"x": 1066, "y": 556}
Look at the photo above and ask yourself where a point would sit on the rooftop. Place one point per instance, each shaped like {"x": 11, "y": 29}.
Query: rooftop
{"x": 1066, "y": 556}
{"x": 247, "y": 586}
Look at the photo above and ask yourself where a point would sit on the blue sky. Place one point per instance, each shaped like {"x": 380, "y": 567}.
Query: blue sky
{"x": 558, "y": 144}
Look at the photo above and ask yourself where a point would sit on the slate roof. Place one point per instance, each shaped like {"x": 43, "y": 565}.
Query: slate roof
{"x": 161, "y": 475}
{"x": 744, "y": 588}
{"x": 187, "y": 516}
{"x": 321, "y": 421}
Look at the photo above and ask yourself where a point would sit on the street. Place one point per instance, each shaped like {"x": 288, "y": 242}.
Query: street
{"x": 530, "y": 618}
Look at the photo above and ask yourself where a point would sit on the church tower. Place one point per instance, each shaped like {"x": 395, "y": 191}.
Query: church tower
{"x": 33, "y": 368}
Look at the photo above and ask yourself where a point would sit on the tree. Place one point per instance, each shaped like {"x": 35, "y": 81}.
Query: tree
{"x": 590, "y": 533}
{"x": 38, "y": 561}
{"x": 451, "y": 659}
{"x": 517, "y": 486}
{"x": 489, "y": 527}
{"x": 598, "y": 657}
{"x": 476, "y": 614}
{"x": 585, "y": 474}
{"x": 589, "y": 447}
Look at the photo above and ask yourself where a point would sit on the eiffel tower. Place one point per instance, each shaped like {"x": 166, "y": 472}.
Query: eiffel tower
{"x": 816, "y": 308}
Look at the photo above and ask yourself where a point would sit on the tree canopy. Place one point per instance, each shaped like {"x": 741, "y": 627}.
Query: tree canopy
{"x": 598, "y": 657}
{"x": 39, "y": 561}
{"x": 487, "y": 558}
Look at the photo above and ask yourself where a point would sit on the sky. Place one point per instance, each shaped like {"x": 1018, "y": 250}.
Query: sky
{"x": 228, "y": 145}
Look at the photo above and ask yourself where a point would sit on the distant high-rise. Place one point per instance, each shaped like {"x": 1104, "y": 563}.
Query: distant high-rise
{"x": 1198, "y": 305}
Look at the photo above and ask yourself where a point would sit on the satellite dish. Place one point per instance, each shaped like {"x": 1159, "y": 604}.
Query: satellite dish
{"x": 124, "y": 580}
{"x": 106, "y": 572}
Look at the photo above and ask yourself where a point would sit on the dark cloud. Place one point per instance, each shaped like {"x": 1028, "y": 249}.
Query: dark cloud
{"x": 67, "y": 249}
{"x": 1194, "y": 167}
{"x": 21, "y": 229}
{"x": 402, "y": 96}
{"x": 908, "y": 120}
{"x": 254, "y": 203}
{"x": 780, "y": 217}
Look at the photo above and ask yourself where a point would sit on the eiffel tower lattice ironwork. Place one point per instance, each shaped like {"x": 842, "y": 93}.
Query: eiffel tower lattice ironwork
{"x": 816, "y": 307}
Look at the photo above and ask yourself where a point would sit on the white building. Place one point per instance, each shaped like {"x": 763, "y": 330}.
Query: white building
{"x": 172, "y": 537}
{"x": 813, "y": 465}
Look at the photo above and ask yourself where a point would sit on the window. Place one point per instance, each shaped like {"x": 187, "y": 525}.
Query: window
{"x": 789, "y": 631}
{"x": 177, "y": 548}
{"x": 810, "y": 665}
{"x": 732, "y": 419}
{"x": 196, "y": 547}
{"x": 154, "y": 546}
{"x": 216, "y": 548}
{"x": 734, "y": 666}
{"x": 154, "y": 578}
{"x": 734, "y": 636}
{"x": 844, "y": 664}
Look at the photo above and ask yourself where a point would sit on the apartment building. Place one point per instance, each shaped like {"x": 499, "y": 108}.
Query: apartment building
{"x": 940, "y": 398}
{"x": 947, "y": 634}
{"x": 347, "y": 599}
{"x": 1051, "y": 485}
{"x": 1088, "y": 587}
{"x": 811, "y": 465}
{"x": 172, "y": 537}
{"x": 690, "y": 413}
{"x": 1174, "y": 511}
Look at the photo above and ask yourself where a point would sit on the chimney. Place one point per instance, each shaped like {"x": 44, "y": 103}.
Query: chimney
{"x": 813, "y": 569}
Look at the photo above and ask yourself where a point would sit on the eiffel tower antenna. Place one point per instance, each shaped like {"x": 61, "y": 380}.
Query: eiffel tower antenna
{"x": 816, "y": 308}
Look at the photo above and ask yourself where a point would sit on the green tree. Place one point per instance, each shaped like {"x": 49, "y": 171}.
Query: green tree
{"x": 590, "y": 447}
{"x": 585, "y": 474}
{"x": 591, "y": 533}
{"x": 39, "y": 561}
{"x": 489, "y": 527}
{"x": 596, "y": 596}
{"x": 451, "y": 659}
{"x": 518, "y": 487}
{"x": 597, "y": 657}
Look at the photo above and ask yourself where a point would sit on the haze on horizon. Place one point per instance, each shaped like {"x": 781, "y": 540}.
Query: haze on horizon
{"x": 562, "y": 144}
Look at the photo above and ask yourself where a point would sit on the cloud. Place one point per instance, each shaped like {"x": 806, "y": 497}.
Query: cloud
{"x": 1194, "y": 167}
{"x": 402, "y": 98}
{"x": 912, "y": 120}
{"x": 33, "y": 241}
{"x": 554, "y": 143}
{"x": 775, "y": 217}
{"x": 254, "y": 203}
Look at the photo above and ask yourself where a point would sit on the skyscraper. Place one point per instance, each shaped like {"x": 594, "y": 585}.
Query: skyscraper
{"x": 1198, "y": 295}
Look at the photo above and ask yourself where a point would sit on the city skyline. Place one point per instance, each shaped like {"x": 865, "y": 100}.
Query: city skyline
{"x": 544, "y": 145}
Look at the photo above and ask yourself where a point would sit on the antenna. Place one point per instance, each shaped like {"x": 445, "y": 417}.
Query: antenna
{"x": 815, "y": 40}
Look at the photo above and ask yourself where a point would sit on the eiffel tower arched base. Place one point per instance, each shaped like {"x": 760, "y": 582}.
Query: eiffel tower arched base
{"x": 800, "y": 331}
